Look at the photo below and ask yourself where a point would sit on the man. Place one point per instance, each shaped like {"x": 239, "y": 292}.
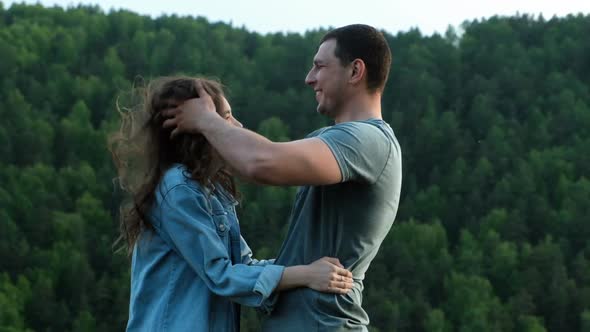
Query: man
{"x": 350, "y": 174}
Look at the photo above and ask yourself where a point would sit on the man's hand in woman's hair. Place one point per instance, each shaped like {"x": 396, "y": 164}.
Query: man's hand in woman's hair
{"x": 189, "y": 116}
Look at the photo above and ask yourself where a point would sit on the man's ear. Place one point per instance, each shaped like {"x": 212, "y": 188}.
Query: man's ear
{"x": 358, "y": 71}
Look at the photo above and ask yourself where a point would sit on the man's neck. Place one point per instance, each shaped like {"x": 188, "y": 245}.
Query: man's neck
{"x": 362, "y": 107}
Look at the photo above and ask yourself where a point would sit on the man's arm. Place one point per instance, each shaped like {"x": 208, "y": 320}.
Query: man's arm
{"x": 302, "y": 162}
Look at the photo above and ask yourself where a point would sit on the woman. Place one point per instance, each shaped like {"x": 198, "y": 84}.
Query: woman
{"x": 190, "y": 268}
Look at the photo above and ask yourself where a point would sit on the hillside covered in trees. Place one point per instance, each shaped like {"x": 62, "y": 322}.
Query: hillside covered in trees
{"x": 493, "y": 227}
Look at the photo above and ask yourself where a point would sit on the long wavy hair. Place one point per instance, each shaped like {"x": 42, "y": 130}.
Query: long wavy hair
{"x": 142, "y": 151}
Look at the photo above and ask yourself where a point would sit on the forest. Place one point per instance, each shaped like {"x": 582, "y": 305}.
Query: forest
{"x": 493, "y": 117}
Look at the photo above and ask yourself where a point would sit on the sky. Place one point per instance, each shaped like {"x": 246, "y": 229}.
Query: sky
{"x": 267, "y": 16}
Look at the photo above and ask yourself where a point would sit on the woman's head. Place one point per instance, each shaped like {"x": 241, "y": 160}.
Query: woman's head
{"x": 143, "y": 150}
{"x": 190, "y": 150}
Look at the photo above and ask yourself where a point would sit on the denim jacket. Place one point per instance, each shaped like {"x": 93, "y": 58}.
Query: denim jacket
{"x": 189, "y": 271}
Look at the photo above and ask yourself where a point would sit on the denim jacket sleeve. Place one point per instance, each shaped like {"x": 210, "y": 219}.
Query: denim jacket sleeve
{"x": 185, "y": 221}
{"x": 246, "y": 254}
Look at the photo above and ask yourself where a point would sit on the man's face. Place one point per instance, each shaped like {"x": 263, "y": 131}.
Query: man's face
{"x": 328, "y": 78}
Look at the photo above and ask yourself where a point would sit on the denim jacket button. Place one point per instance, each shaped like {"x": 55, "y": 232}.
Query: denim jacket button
{"x": 221, "y": 227}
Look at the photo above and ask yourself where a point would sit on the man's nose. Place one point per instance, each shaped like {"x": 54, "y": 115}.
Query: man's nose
{"x": 310, "y": 78}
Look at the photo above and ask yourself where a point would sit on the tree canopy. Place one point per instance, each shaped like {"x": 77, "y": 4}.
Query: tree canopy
{"x": 493, "y": 229}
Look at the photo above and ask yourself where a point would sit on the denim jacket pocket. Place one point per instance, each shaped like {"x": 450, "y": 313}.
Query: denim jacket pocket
{"x": 220, "y": 219}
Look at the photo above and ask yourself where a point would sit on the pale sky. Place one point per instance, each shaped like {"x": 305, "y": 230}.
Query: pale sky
{"x": 300, "y": 15}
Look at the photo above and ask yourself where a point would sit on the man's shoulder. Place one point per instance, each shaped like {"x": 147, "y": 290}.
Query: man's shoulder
{"x": 358, "y": 126}
{"x": 366, "y": 132}
{"x": 317, "y": 132}
{"x": 376, "y": 126}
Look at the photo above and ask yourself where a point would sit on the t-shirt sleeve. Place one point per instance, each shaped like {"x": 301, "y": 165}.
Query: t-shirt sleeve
{"x": 361, "y": 150}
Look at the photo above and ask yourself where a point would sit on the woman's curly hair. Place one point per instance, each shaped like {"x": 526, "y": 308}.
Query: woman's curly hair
{"x": 143, "y": 150}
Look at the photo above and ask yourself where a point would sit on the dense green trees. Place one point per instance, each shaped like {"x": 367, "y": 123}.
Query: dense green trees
{"x": 492, "y": 231}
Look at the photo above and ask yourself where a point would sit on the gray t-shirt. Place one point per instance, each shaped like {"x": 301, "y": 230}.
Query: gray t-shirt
{"x": 348, "y": 220}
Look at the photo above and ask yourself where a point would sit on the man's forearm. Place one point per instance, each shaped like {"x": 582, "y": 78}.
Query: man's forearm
{"x": 244, "y": 150}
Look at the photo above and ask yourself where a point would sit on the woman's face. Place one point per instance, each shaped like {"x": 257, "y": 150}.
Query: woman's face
{"x": 227, "y": 114}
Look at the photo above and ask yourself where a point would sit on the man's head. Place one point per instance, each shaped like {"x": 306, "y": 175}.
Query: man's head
{"x": 350, "y": 59}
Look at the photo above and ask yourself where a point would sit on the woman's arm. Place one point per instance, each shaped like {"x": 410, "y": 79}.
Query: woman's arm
{"x": 189, "y": 228}
{"x": 324, "y": 275}
{"x": 247, "y": 258}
